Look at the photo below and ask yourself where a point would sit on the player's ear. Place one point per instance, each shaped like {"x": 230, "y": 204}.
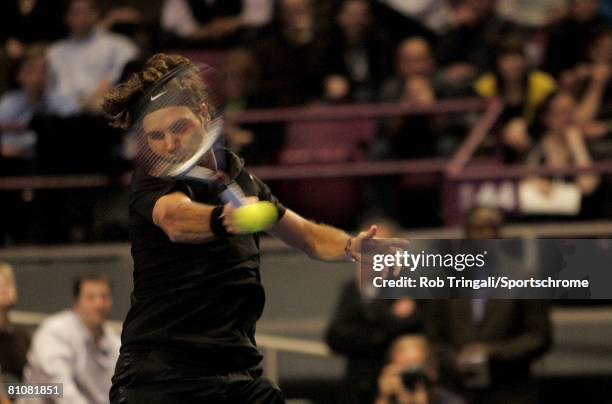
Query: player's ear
{"x": 204, "y": 112}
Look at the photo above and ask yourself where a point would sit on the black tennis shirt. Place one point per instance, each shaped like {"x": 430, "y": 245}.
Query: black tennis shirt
{"x": 197, "y": 303}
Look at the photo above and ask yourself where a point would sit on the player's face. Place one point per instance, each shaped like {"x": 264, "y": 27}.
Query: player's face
{"x": 94, "y": 302}
{"x": 171, "y": 133}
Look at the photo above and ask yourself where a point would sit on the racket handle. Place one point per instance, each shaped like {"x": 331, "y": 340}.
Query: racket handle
{"x": 232, "y": 194}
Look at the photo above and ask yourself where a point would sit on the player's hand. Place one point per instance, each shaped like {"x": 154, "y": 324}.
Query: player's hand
{"x": 228, "y": 214}
{"x": 355, "y": 248}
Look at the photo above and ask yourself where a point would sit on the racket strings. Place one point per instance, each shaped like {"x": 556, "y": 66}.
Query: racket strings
{"x": 178, "y": 123}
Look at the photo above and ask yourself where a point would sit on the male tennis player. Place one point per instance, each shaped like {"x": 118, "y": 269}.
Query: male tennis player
{"x": 189, "y": 336}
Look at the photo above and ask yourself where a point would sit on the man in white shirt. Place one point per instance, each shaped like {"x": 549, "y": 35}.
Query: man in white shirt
{"x": 87, "y": 63}
{"x": 75, "y": 348}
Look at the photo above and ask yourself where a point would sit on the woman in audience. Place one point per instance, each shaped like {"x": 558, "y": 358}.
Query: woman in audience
{"x": 591, "y": 81}
{"x": 561, "y": 144}
{"x": 521, "y": 88}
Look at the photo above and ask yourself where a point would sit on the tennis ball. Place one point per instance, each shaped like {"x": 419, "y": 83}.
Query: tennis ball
{"x": 255, "y": 217}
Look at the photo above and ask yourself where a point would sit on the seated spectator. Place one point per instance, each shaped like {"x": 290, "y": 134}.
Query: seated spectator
{"x": 464, "y": 49}
{"x": 411, "y": 375}
{"x": 522, "y": 89}
{"x": 18, "y": 106}
{"x": 561, "y": 144}
{"x": 592, "y": 83}
{"x": 210, "y": 23}
{"x": 14, "y": 341}
{"x": 357, "y": 55}
{"x": 257, "y": 143}
{"x": 567, "y": 38}
{"x": 85, "y": 65}
{"x": 490, "y": 354}
{"x": 363, "y": 328}
{"x": 486, "y": 346}
{"x": 75, "y": 348}
{"x": 290, "y": 55}
{"x": 415, "y": 81}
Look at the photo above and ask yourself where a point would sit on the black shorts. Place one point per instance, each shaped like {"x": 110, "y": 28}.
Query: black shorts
{"x": 146, "y": 379}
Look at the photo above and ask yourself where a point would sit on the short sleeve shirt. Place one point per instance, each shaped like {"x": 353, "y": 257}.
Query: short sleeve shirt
{"x": 199, "y": 301}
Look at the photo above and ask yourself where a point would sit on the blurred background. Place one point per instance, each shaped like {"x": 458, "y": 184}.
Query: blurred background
{"x": 407, "y": 113}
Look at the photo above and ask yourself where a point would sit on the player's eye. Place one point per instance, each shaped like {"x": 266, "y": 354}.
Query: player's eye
{"x": 156, "y": 135}
{"x": 180, "y": 125}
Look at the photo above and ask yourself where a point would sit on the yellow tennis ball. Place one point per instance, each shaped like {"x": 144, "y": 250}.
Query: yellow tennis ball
{"x": 255, "y": 217}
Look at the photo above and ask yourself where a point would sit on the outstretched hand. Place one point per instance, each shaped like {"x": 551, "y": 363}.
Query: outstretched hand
{"x": 355, "y": 248}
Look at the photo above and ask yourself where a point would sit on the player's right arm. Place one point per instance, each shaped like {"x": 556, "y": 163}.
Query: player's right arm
{"x": 183, "y": 220}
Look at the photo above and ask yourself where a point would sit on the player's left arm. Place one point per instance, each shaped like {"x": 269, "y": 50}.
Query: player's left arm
{"x": 319, "y": 241}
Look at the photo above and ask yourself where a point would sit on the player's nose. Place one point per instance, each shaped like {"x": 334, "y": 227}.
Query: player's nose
{"x": 172, "y": 142}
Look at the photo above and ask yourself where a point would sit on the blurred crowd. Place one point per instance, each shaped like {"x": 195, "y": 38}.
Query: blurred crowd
{"x": 549, "y": 61}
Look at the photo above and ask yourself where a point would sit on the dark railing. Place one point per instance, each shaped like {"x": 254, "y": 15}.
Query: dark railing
{"x": 452, "y": 171}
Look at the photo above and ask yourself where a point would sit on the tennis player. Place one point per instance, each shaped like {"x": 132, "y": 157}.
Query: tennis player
{"x": 189, "y": 336}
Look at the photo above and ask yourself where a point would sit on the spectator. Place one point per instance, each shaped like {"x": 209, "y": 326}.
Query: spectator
{"x": 356, "y": 57}
{"x": 593, "y": 85}
{"x": 561, "y": 144}
{"x": 75, "y": 348}
{"x": 487, "y": 346}
{"x": 18, "y": 106}
{"x": 215, "y": 23}
{"x": 363, "y": 328}
{"x": 414, "y": 136}
{"x": 566, "y": 39}
{"x": 290, "y": 55}
{"x": 491, "y": 362}
{"x": 522, "y": 89}
{"x": 411, "y": 375}
{"x": 240, "y": 77}
{"x": 14, "y": 341}
{"x": 257, "y": 143}
{"x": 466, "y": 46}
{"x": 414, "y": 82}
{"x": 85, "y": 65}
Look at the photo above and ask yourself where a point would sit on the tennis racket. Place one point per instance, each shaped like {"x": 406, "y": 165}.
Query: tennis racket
{"x": 177, "y": 128}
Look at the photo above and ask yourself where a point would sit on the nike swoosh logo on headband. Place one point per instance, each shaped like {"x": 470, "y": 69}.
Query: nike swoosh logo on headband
{"x": 154, "y": 97}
